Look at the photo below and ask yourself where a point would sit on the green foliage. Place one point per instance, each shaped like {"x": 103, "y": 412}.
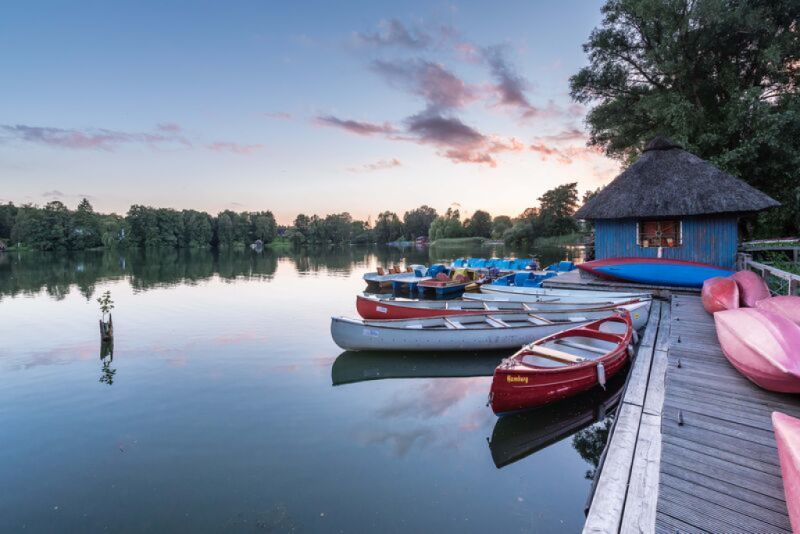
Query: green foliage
{"x": 479, "y": 225}
{"x": 500, "y": 224}
{"x": 717, "y": 76}
{"x": 447, "y": 226}
{"x": 388, "y": 227}
{"x": 553, "y": 217}
{"x": 106, "y": 304}
{"x": 418, "y": 221}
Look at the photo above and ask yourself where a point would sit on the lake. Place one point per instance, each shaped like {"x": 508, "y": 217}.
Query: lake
{"x": 226, "y": 405}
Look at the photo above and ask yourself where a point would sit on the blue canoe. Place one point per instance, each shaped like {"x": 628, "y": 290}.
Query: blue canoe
{"x": 654, "y": 271}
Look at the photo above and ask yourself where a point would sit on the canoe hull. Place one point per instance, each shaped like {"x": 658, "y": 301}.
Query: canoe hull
{"x": 351, "y": 334}
{"x": 752, "y": 288}
{"x": 788, "y": 306}
{"x": 654, "y": 271}
{"x": 762, "y": 346}
{"x": 517, "y": 387}
{"x": 375, "y": 309}
{"x": 720, "y": 294}
{"x": 522, "y": 294}
{"x": 787, "y": 436}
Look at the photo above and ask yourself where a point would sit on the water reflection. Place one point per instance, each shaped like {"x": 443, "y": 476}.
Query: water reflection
{"x": 520, "y": 435}
{"x": 352, "y": 367}
{"x": 107, "y": 358}
{"x": 57, "y": 274}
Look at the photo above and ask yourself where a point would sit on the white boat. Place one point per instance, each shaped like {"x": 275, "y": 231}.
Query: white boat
{"x": 501, "y": 330}
{"x": 388, "y": 278}
{"x": 521, "y": 294}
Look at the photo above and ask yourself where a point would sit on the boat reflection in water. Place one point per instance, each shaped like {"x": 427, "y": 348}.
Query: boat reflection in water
{"x": 361, "y": 366}
{"x": 519, "y": 435}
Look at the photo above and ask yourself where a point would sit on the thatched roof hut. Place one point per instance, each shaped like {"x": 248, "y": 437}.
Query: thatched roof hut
{"x": 667, "y": 181}
{"x": 671, "y": 204}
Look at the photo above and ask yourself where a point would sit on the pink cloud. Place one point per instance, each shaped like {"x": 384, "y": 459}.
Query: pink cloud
{"x": 439, "y": 87}
{"x": 98, "y": 139}
{"x": 379, "y": 165}
{"x": 169, "y": 127}
{"x": 566, "y": 155}
{"x": 234, "y": 148}
{"x": 394, "y": 33}
{"x": 356, "y": 127}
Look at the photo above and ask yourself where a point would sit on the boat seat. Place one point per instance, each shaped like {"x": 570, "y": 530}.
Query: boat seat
{"x": 497, "y": 323}
{"x": 554, "y": 354}
{"x": 539, "y": 318}
{"x": 454, "y": 324}
{"x": 581, "y": 346}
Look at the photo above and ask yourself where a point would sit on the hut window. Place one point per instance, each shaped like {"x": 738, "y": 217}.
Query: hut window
{"x": 665, "y": 233}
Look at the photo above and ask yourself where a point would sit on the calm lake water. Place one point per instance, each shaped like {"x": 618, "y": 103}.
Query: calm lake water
{"x": 226, "y": 405}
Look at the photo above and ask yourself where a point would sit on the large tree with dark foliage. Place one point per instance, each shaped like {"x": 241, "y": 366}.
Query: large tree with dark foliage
{"x": 418, "y": 221}
{"x": 718, "y": 76}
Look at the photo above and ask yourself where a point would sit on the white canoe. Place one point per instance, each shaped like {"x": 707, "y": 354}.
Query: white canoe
{"x": 501, "y": 330}
{"x": 524, "y": 294}
{"x": 375, "y": 278}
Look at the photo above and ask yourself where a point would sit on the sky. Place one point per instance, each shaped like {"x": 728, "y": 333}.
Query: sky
{"x": 294, "y": 107}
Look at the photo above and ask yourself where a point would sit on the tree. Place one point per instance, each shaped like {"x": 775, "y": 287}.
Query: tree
{"x": 418, "y": 221}
{"x": 8, "y": 213}
{"x": 388, "y": 227}
{"x": 556, "y": 208}
{"x": 224, "y": 230}
{"x": 479, "y": 225}
{"x": 447, "y": 226}
{"x": 263, "y": 227}
{"x": 500, "y": 224}
{"x": 719, "y": 77}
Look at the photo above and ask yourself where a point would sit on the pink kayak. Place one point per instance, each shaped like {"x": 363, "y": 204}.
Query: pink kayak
{"x": 720, "y": 294}
{"x": 752, "y": 288}
{"x": 785, "y": 305}
{"x": 787, "y": 434}
{"x": 763, "y": 346}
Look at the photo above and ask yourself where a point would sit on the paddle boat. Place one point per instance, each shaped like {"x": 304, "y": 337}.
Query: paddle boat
{"x": 752, "y": 288}
{"x": 351, "y": 367}
{"x": 501, "y": 330}
{"x": 369, "y": 307}
{"x": 524, "y": 279}
{"x": 526, "y": 294}
{"x": 654, "y": 271}
{"x": 563, "y": 266}
{"x": 519, "y": 435}
{"x": 458, "y": 281}
{"x": 787, "y": 436}
{"x": 384, "y": 277}
{"x": 785, "y": 305}
{"x": 720, "y": 294}
{"x": 563, "y": 364}
{"x": 501, "y": 264}
{"x": 763, "y": 346}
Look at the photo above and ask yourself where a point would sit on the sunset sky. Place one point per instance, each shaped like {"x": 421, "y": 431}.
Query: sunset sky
{"x": 294, "y": 106}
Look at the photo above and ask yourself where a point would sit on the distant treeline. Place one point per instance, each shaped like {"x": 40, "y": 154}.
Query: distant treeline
{"x": 56, "y": 227}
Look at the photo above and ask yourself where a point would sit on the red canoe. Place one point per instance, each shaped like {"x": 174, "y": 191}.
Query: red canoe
{"x": 720, "y": 294}
{"x": 787, "y": 435}
{"x": 562, "y": 365}
{"x": 788, "y": 306}
{"x": 763, "y": 346}
{"x": 752, "y": 288}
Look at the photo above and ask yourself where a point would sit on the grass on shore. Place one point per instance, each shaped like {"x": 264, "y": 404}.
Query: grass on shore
{"x": 453, "y": 241}
{"x": 566, "y": 239}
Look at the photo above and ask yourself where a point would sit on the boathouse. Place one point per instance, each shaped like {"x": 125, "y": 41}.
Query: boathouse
{"x": 672, "y": 204}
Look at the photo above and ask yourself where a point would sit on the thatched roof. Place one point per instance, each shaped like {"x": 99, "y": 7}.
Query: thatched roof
{"x": 667, "y": 181}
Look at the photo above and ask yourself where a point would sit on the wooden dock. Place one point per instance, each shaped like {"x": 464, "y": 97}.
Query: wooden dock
{"x": 692, "y": 448}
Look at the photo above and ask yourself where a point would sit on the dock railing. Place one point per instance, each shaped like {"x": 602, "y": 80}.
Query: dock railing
{"x": 780, "y": 282}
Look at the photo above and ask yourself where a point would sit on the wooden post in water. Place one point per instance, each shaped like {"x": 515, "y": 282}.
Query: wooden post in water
{"x": 107, "y": 329}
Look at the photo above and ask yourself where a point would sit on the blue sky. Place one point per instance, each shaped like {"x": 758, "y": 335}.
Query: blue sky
{"x": 313, "y": 107}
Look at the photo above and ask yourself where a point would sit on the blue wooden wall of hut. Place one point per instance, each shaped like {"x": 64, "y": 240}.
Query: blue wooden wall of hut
{"x": 705, "y": 239}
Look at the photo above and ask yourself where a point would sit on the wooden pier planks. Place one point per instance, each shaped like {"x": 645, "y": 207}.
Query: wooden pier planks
{"x": 702, "y": 457}
{"x": 719, "y": 464}
{"x": 634, "y": 446}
